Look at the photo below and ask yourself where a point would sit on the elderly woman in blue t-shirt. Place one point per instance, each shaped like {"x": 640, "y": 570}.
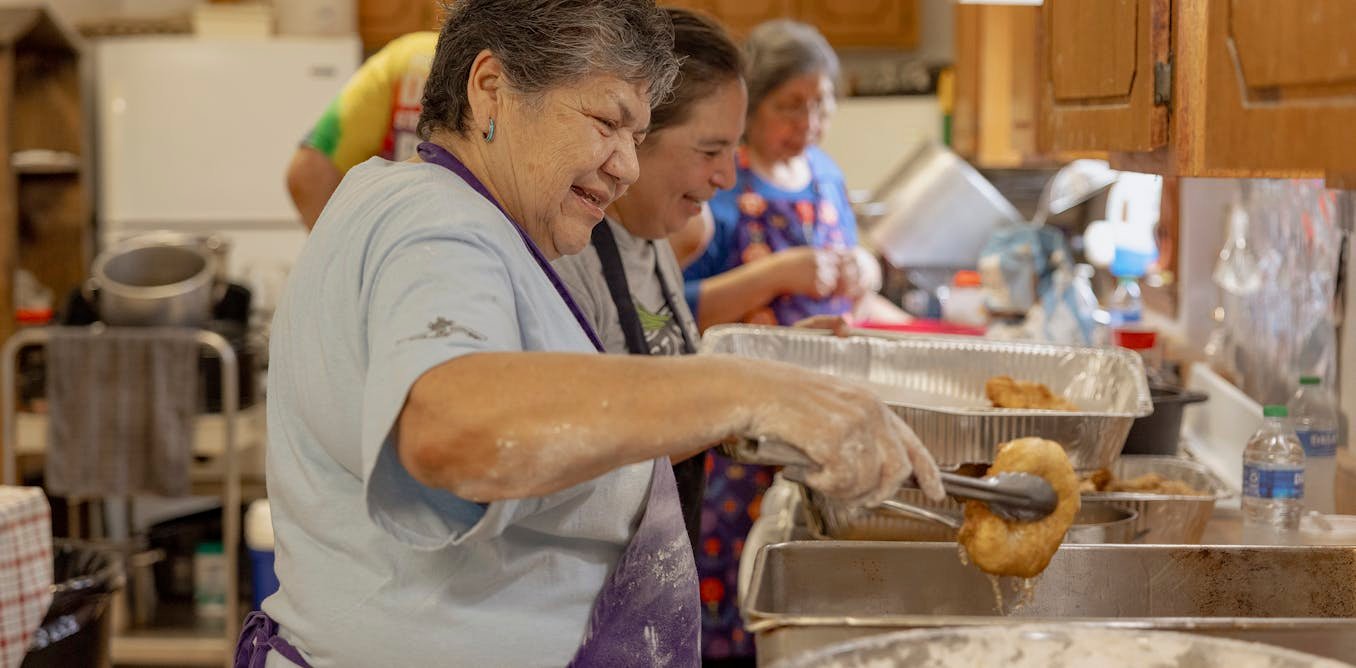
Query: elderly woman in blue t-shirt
{"x": 452, "y": 464}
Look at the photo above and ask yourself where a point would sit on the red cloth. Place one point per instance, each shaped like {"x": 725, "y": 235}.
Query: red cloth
{"x": 922, "y": 327}
{"x": 25, "y": 568}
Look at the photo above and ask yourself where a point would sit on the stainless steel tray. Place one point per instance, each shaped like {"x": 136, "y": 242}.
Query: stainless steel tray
{"x": 936, "y": 383}
{"x": 1167, "y": 518}
{"x": 813, "y": 593}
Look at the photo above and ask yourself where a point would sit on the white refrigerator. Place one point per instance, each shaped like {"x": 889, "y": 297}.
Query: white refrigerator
{"x": 195, "y": 135}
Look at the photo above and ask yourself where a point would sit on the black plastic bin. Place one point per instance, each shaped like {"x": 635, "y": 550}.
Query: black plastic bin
{"x": 77, "y": 627}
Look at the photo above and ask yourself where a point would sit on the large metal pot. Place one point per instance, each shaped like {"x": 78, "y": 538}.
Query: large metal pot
{"x": 154, "y": 281}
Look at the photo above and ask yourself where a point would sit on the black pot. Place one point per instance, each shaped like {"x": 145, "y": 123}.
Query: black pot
{"x": 1160, "y": 432}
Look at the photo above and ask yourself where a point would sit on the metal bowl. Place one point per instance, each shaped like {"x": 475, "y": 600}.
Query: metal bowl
{"x": 1095, "y": 523}
{"x": 1053, "y": 647}
{"x": 1167, "y": 519}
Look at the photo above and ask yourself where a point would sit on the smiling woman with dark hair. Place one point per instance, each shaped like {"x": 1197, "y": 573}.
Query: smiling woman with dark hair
{"x": 456, "y": 475}
{"x": 628, "y": 281}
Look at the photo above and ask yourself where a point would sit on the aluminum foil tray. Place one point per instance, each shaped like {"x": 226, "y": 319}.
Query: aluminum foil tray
{"x": 936, "y": 383}
{"x": 1167, "y": 519}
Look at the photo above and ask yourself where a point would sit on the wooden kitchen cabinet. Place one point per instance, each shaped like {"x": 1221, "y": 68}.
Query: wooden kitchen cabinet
{"x": 1251, "y": 88}
{"x": 996, "y": 105}
{"x": 380, "y": 21}
{"x": 876, "y": 23}
{"x": 845, "y": 23}
{"x": 740, "y": 16}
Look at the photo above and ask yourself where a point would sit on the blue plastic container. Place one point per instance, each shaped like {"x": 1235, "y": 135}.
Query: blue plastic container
{"x": 259, "y": 548}
{"x": 264, "y": 579}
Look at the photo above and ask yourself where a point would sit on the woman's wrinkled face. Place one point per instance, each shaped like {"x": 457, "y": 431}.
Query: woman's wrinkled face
{"x": 684, "y": 165}
{"x": 572, "y": 153}
{"x": 792, "y": 117}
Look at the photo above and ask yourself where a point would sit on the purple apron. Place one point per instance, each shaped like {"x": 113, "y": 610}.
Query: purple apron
{"x": 647, "y": 612}
{"x": 767, "y": 226}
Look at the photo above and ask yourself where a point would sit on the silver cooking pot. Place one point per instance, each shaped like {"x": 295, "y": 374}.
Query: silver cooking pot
{"x": 157, "y": 279}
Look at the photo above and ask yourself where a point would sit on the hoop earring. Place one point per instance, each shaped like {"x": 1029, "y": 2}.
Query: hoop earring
{"x": 489, "y": 134}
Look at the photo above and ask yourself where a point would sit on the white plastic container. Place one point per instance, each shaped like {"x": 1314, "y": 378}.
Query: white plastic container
{"x": 964, "y": 302}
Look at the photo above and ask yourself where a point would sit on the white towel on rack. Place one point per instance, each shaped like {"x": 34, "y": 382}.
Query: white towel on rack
{"x": 121, "y": 407}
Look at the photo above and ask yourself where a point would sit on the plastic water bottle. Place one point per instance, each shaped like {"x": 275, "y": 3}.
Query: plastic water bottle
{"x": 1313, "y": 412}
{"x": 1273, "y": 474}
{"x": 1126, "y": 306}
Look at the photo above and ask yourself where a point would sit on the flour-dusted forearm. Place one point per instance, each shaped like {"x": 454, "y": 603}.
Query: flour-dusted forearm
{"x": 574, "y": 417}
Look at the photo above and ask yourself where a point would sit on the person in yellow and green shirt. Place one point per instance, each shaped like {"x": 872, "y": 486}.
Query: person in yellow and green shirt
{"x": 376, "y": 114}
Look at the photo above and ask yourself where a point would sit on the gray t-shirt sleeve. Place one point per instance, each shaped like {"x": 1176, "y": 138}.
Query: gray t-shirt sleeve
{"x": 430, "y": 299}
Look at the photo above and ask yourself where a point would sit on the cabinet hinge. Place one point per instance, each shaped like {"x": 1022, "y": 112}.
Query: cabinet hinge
{"x": 1163, "y": 83}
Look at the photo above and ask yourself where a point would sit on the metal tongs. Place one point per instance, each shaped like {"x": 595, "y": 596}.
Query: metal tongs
{"x": 1012, "y": 496}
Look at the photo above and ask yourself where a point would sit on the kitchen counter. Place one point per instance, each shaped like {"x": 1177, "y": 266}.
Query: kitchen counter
{"x": 782, "y": 521}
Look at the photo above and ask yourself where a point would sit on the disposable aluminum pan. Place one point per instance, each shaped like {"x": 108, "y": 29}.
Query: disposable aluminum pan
{"x": 1168, "y": 519}
{"x": 936, "y": 383}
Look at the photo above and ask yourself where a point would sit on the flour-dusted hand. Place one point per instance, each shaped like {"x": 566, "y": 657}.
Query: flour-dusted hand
{"x": 861, "y": 451}
{"x": 806, "y": 271}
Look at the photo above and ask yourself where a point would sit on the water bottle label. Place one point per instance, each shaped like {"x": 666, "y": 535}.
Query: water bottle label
{"x": 1273, "y": 483}
{"x": 1319, "y": 443}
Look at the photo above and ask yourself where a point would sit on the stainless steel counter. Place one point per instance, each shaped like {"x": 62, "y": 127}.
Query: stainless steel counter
{"x": 807, "y": 594}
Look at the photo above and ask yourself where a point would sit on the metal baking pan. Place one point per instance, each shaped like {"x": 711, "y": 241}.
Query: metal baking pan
{"x": 936, "y": 383}
{"x": 810, "y": 594}
{"x": 1170, "y": 519}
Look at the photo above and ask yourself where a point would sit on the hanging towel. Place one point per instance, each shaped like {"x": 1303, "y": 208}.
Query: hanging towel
{"x": 121, "y": 404}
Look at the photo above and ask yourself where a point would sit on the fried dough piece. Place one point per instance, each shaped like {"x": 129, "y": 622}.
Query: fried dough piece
{"x": 1005, "y": 392}
{"x": 1022, "y": 549}
{"x": 1095, "y": 481}
{"x": 1153, "y": 483}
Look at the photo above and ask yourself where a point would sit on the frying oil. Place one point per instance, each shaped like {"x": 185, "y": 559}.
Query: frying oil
{"x": 1026, "y": 589}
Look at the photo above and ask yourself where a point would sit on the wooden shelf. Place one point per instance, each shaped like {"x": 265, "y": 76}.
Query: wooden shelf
{"x": 174, "y": 647}
{"x": 176, "y": 638}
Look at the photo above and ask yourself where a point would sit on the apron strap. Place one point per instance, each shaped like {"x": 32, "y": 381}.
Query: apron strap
{"x": 690, "y": 474}
{"x": 614, "y": 272}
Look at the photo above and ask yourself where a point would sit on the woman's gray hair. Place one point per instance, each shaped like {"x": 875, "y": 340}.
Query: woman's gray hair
{"x": 544, "y": 44}
{"x": 780, "y": 50}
